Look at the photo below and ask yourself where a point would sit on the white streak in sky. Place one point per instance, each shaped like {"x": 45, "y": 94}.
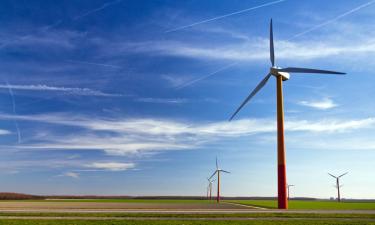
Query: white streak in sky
{"x": 72, "y": 91}
{"x": 334, "y": 19}
{"x": 224, "y": 16}
{"x": 14, "y": 112}
{"x": 105, "y": 5}
{"x": 206, "y": 76}
{"x": 94, "y": 64}
{"x": 25, "y": 37}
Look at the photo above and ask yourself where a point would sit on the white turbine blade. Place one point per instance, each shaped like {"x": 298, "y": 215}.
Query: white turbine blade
{"x": 224, "y": 171}
{"x": 217, "y": 166}
{"x": 272, "y": 50}
{"x": 307, "y": 70}
{"x": 332, "y": 176}
{"x": 213, "y": 174}
{"x": 343, "y": 174}
{"x": 260, "y": 85}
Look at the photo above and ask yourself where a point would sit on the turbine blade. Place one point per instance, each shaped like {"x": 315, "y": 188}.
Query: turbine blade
{"x": 332, "y": 176}
{"x": 272, "y": 50}
{"x": 343, "y": 174}
{"x": 217, "y": 166}
{"x": 307, "y": 70}
{"x": 213, "y": 174}
{"x": 260, "y": 85}
{"x": 224, "y": 171}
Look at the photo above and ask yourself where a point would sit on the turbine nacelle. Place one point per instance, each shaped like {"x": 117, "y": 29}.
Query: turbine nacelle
{"x": 275, "y": 71}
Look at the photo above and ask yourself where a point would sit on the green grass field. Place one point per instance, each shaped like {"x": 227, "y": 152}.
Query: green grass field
{"x": 184, "y": 222}
{"x": 324, "y": 205}
{"x": 188, "y": 215}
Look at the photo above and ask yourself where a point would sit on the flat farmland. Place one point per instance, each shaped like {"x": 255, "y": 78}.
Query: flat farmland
{"x": 117, "y": 205}
{"x": 188, "y": 212}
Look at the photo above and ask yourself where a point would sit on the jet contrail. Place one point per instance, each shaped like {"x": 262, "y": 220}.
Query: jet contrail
{"x": 208, "y": 75}
{"x": 14, "y": 112}
{"x": 95, "y": 64}
{"x": 105, "y": 5}
{"x": 25, "y": 37}
{"x": 224, "y": 16}
{"x": 334, "y": 19}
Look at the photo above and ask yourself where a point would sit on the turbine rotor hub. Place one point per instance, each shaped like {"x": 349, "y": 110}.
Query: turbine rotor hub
{"x": 275, "y": 72}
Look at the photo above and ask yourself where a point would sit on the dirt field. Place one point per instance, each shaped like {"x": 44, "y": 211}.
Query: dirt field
{"x": 56, "y": 206}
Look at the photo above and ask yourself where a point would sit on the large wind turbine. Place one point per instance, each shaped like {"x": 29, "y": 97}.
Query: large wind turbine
{"x": 281, "y": 74}
{"x": 218, "y": 171}
{"x": 338, "y": 184}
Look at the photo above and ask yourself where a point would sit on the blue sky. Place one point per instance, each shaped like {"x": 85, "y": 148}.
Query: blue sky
{"x": 133, "y": 97}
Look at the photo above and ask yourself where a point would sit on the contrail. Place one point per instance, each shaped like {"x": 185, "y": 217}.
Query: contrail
{"x": 105, "y": 5}
{"x": 224, "y": 16}
{"x": 94, "y": 64}
{"x": 334, "y": 19}
{"x": 208, "y": 75}
{"x": 14, "y": 111}
{"x": 25, "y": 37}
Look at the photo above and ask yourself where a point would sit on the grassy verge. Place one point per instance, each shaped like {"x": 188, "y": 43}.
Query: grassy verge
{"x": 191, "y": 215}
{"x": 326, "y": 205}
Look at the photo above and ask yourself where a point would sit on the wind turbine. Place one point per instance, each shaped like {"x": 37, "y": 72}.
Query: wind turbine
{"x": 218, "y": 171}
{"x": 209, "y": 188}
{"x": 281, "y": 74}
{"x": 288, "y": 186}
{"x": 338, "y": 184}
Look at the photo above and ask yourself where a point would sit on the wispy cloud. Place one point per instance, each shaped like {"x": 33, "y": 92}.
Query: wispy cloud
{"x": 67, "y": 90}
{"x": 129, "y": 136}
{"x": 162, "y": 100}
{"x": 225, "y": 16}
{"x": 297, "y": 51}
{"x": 176, "y": 80}
{"x": 321, "y": 104}
{"x": 4, "y": 132}
{"x": 111, "y": 166}
{"x": 70, "y": 174}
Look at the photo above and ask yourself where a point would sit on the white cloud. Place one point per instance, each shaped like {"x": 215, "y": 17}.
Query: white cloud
{"x": 254, "y": 50}
{"x": 111, "y": 166}
{"x": 71, "y": 174}
{"x": 4, "y": 132}
{"x": 321, "y": 104}
{"x": 176, "y": 80}
{"x": 129, "y": 136}
{"x": 71, "y": 91}
{"x": 162, "y": 100}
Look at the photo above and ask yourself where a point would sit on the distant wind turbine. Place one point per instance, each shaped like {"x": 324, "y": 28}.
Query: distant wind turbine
{"x": 218, "y": 171}
{"x": 281, "y": 74}
{"x": 338, "y": 184}
{"x": 209, "y": 188}
{"x": 288, "y": 186}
